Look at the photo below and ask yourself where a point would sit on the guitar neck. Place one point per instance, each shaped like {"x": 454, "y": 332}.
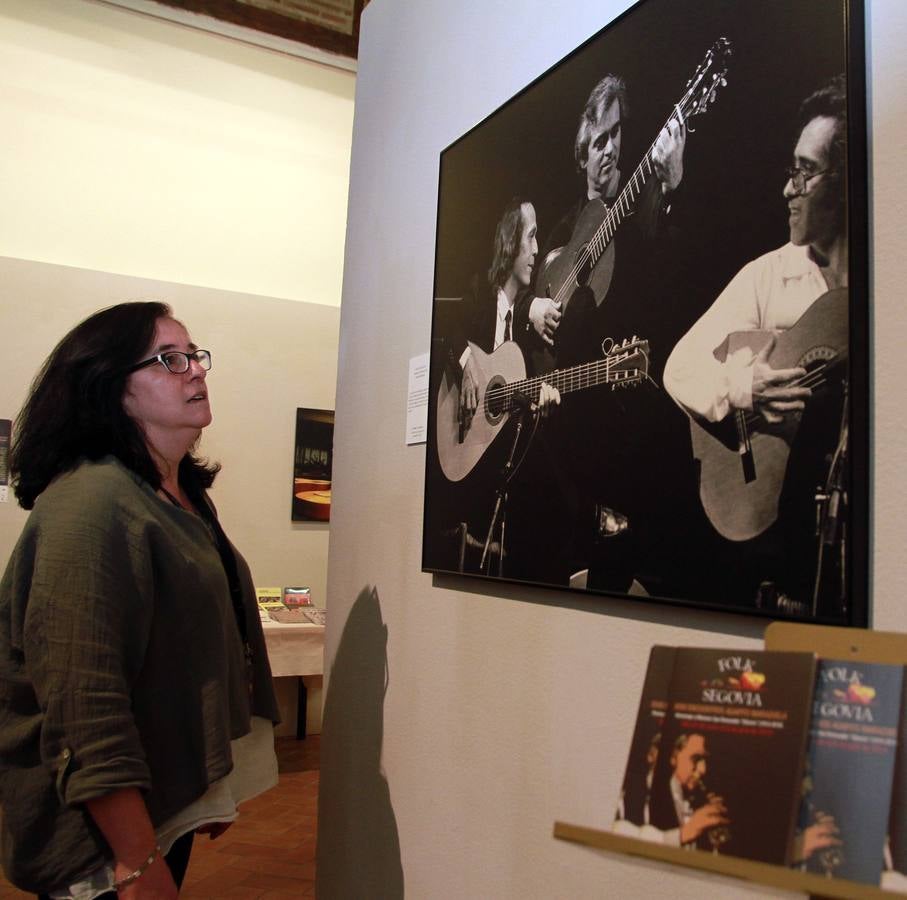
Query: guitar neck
{"x": 626, "y": 199}
{"x": 576, "y": 378}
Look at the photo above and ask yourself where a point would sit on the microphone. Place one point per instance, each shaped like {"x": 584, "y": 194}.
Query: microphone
{"x": 522, "y": 401}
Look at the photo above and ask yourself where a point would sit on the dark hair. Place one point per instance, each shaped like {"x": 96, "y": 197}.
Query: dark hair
{"x": 830, "y": 102}
{"x": 507, "y": 237}
{"x": 611, "y": 87}
{"x": 74, "y": 409}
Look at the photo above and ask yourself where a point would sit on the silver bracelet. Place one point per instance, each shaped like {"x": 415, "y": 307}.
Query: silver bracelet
{"x": 139, "y": 872}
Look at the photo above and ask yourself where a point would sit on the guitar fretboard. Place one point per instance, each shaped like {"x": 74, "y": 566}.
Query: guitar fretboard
{"x": 622, "y": 206}
{"x": 576, "y": 378}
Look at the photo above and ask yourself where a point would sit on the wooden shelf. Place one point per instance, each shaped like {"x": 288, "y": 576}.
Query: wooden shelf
{"x": 745, "y": 869}
{"x": 834, "y": 643}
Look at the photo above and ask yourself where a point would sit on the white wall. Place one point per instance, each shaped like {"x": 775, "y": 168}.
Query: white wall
{"x": 209, "y": 174}
{"x": 502, "y": 716}
{"x": 143, "y": 147}
{"x": 270, "y": 357}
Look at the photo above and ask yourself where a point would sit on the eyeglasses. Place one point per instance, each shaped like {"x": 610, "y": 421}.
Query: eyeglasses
{"x": 175, "y": 361}
{"x": 800, "y": 179}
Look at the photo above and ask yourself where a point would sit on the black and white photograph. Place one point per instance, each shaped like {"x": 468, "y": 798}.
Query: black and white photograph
{"x": 649, "y": 358}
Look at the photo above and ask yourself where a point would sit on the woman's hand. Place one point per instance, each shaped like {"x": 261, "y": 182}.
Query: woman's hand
{"x": 155, "y": 883}
{"x": 124, "y": 821}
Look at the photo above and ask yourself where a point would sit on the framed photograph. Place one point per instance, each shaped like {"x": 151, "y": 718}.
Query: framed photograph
{"x": 649, "y": 363}
{"x": 312, "y": 465}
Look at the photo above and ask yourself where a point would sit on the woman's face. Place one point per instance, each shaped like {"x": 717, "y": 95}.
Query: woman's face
{"x": 168, "y": 407}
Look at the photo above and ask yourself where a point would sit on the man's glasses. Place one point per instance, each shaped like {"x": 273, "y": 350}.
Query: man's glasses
{"x": 800, "y": 179}
{"x": 175, "y": 361}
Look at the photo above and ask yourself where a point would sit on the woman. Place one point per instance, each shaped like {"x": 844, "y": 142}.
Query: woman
{"x": 132, "y": 660}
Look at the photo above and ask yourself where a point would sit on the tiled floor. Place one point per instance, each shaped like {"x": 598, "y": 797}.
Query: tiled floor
{"x": 269, "y": 852}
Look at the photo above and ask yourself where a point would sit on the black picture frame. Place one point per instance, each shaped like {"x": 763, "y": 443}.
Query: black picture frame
{"x": 729, "y": 209}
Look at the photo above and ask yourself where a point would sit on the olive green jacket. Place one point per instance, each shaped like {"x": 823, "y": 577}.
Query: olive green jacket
{"x": 121, "y": 666}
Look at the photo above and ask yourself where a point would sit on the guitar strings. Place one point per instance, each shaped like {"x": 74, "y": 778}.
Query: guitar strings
{"x": 604, "y": 234}
{"x": 585, "y": 375}
{"x": 814, "y": 379}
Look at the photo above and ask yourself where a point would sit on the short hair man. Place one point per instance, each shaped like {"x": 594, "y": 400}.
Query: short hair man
{"x": 603, "y": 460}
{"x": 597, "y": 152}
{"x": 680, "y": 812}
{"x": 771, "y": 293}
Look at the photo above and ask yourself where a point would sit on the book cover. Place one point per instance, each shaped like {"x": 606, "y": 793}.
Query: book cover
{"x": 633, "y": 812}
{"x": 297, "y": 596}
{"x": 269, "y": 597}
{"x": 849, "y": 770}
{"x": 895, "y": 875}
{"x": 729, "y": 768}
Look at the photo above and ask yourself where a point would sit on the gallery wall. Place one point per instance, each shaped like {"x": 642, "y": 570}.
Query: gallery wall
{"x": 141, "y": 159}
{"x": 144, "y": 147}
{"x": 463, "y": 718}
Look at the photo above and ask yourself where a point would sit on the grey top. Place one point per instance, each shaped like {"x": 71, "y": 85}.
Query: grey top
{"x": 121, "y": 666}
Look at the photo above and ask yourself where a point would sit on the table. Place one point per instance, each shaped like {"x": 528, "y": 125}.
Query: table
{"x": 296, "y": 650}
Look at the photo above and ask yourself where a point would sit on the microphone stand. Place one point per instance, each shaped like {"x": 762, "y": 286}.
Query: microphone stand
{"x": 525, "y": 406}
{"x": 830, "y": 526}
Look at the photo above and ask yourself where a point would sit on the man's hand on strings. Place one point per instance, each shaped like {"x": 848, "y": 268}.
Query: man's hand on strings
{"x": 776, "y": 392}
{"x": 469, "y": 392}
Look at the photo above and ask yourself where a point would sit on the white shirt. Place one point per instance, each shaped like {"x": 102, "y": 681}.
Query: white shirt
{"x": 504, "y": 307}
{"x": 500, "y": 326}
{"x": 770, "y": 293}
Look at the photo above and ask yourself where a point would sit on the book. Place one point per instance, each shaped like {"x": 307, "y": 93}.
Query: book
{"x": 731, "y": 755}
{"x": 895, "y": 874}
{"x": 315, "y": 615}
{"x": 297, "y": 596}
{"x": 847, "y": 783}
{"x": 304, "y": 615}
{"x": 269, "y": 598}
{"x": 633, "y": 807}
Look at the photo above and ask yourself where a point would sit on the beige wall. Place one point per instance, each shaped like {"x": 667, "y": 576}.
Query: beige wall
{"x": 174, "y": 157}
{"x": 144, "y": 147}
{"x": 270, "y": 356}
{"x": 501, "y": 715}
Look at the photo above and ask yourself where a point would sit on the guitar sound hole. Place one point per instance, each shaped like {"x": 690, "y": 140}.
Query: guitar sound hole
{"x": 495, "y": 399}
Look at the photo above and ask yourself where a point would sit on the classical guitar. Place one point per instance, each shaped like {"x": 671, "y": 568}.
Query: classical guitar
{"x": 588, "y": 258}
{"x": 741, "y": 479}
{"x": 502, "y": 385}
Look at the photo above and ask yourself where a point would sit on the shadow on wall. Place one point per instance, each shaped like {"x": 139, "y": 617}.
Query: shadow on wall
{"x": 358, "y": 844}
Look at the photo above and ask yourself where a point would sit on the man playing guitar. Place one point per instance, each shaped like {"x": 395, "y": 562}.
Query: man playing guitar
{"x": 567, "y": 323}
{"x": 713, "y": 380}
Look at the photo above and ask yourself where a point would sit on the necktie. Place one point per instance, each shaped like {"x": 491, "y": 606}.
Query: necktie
{"x": 507, "y": 335}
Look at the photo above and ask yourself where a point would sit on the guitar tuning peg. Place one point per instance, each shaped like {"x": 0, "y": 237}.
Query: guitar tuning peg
{"x": 723, "y": 81}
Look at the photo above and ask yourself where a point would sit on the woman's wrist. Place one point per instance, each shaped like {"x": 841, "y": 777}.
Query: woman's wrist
{"x": 136, "y": 873}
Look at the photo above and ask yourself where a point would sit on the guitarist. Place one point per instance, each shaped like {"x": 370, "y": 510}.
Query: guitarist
{"x": 490, "y": 305}
{"x": 771, "y": 293}
{"x": 604, "y": 436}
{"x": 488, "y": 322}
{"x": 597, "y": 150}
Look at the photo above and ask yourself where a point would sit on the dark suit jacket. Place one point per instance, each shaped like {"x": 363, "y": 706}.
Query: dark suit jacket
{"x": 479, "y": 319}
